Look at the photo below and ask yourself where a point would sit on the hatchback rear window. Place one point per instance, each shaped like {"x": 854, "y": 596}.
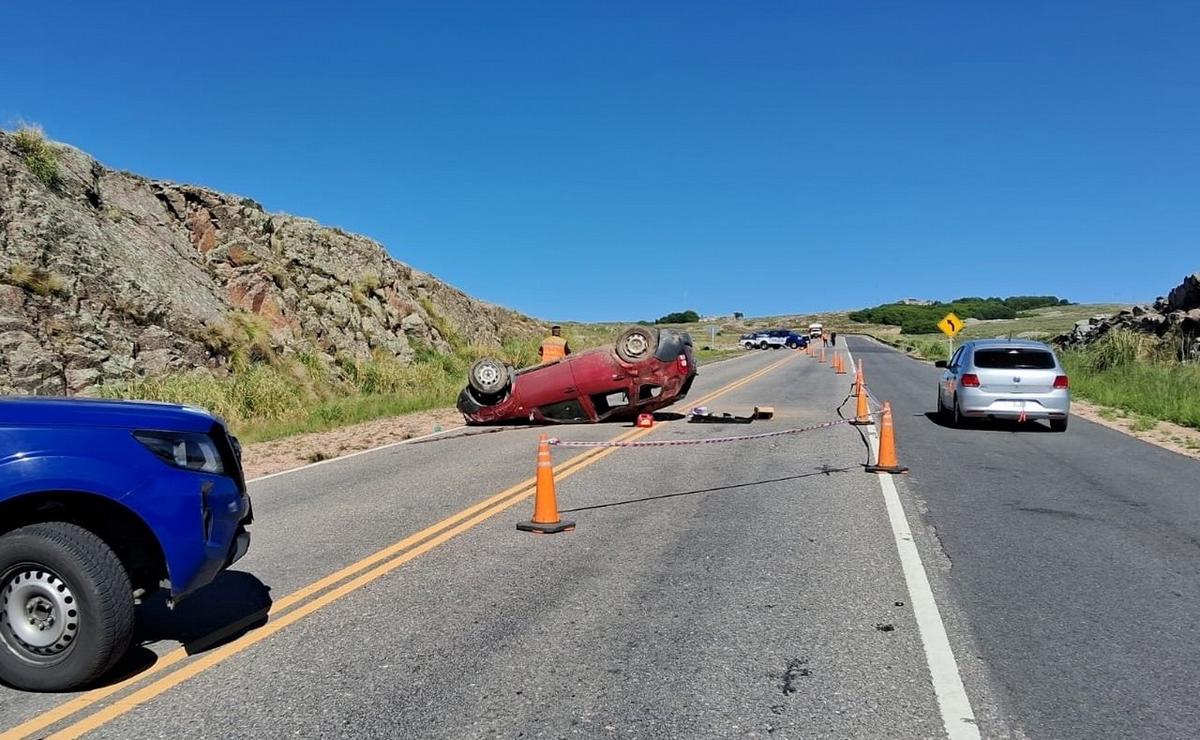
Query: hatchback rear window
{"x": 1013, "y": 358}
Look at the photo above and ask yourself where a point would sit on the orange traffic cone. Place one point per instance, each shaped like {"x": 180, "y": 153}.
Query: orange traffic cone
{"x": 862, "y": 412}
{"x": 887, "y": 463}
{"x": 839, "y": 366}
{"x": 545, "y": 503}
{"x": 822, "y": 360}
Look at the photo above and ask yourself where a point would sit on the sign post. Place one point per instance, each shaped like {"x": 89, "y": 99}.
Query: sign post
{"x": 951, "y": 325}
{"x": 712, "y": 336}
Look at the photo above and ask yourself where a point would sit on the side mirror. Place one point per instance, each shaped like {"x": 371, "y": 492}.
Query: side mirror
{"x": 940, "y": 363}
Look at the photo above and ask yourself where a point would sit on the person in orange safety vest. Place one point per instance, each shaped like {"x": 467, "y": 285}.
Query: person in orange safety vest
{"x": 554, "y": 347}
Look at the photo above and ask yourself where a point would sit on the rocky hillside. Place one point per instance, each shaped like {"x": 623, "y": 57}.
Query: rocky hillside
{"x": 108, "y": 276}
{"x": 1175, "y": 314}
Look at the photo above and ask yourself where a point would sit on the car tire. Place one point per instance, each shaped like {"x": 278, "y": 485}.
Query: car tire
{"x": 942, "y": 414}
{"x": 957, "y": 419}
{"x": 80, "y": 589}
{"x": 763, "y": 345}
{"x": 1058, "y": 425}
{"x": 636, "y": 344}
{"x": 489, "y": 377}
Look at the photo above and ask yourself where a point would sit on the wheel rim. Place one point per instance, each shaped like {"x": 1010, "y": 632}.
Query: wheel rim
{"x": 636, "y": 344}
{"x": 39, "y": 615}
{"x": 487, "y": 375}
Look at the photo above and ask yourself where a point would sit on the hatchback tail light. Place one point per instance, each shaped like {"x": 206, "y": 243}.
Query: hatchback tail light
{"x": 1061, "y": 383}
{"x": 969, "y": 380}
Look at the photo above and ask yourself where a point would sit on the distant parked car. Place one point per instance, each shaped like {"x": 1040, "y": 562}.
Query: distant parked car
{"x": 1004, "y": 379}
{"x": 645, "y": 370}
{"x": 749, "y": 341}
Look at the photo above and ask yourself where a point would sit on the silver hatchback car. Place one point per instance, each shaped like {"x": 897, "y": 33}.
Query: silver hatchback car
{"x": 1004, "y": 379}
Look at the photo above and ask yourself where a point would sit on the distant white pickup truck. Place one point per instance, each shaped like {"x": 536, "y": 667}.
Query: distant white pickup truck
{"x": 815, "y": 331}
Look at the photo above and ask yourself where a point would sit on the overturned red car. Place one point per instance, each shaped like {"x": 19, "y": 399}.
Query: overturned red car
{"x": 645, "y": 370}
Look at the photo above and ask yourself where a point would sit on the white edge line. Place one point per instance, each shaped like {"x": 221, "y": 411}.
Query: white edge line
{"x": 355, "y": 454}
{"x": 957, "y": 716}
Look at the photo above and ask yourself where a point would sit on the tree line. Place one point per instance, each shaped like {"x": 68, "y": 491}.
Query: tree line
{"x": 913, "y": 319}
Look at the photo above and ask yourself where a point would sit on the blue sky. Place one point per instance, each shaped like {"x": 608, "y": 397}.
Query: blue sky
{"x": 622, "y": 160}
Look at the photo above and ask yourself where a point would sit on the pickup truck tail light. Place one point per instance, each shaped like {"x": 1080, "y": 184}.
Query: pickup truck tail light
{"x": 969, "y": 380}
{"x": 1061, "y": 383}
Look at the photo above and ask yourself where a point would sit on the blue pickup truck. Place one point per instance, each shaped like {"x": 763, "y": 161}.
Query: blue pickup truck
{"x": 101, "y": 503}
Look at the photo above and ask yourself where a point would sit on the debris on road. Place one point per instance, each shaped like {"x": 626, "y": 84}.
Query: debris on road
{"x": 700, "y": 415}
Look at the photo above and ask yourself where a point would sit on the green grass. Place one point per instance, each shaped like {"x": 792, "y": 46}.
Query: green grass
{"x": 270, "y": 396}
{"x": 1148, "y": 390}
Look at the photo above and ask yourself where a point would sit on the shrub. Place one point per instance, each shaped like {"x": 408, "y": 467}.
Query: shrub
{"x": 39, "y": 155}
{"x": 34, "y": 279}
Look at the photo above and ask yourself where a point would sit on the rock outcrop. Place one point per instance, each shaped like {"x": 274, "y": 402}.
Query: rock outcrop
{"x": 107, "y": 276}
{"x": 1177, "y": 314}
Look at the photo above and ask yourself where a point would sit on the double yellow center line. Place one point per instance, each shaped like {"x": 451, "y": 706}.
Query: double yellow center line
{"x": 319, "y": 594}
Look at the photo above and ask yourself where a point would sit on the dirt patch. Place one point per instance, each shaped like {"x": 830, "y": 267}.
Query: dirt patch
{"x": 1176, "y": 438}
{"x": 264, "y": 458}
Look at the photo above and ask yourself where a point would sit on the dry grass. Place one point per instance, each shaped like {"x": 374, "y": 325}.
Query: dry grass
{"x": 39, "y": 155}
{"x": 34, "y": 279}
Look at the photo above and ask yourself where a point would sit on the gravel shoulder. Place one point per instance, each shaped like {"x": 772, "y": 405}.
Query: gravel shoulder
{"x": 277, "y": 455}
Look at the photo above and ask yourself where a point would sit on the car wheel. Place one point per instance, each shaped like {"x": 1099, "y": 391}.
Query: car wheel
{"x": 763, "y": 345}
{"x": 489, "y": 377}
{"x": 66, "y": 607}
{"x": 637, "y": 343}
{"x": 1058, "y": 425}
{"x": 941, "y": 408}
{"x": 957, "y": 418}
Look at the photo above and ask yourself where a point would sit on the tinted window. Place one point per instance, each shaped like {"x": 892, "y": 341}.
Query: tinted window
{"x": 1012, "y": 358}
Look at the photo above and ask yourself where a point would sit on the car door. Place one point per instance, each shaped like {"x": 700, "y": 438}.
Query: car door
{"x": 550, "y": 389}
{"x": 950, "y": 376}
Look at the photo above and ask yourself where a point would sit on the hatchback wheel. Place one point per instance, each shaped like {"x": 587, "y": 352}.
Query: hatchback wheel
{"x": 636, "y": 344}
{"x": 956, "y": 415}
{"x": 942, "y": 413}
{"x": 489, "y": 377}
{"x": 1058, "y": 425}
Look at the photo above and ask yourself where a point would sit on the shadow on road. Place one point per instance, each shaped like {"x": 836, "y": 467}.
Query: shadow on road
{"x": 989, "y": 425}
{"x": 823, "y": 470}
{"x": 232, "y": 605}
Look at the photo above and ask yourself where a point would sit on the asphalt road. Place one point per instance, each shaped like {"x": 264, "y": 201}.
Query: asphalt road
{"x": 1074, "y": 562}
{"x": 718, "y": 590}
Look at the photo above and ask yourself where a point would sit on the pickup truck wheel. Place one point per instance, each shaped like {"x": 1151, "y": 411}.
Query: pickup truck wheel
{"x": 489, "y": 377}
{"x": 636, "y": 344}
{"x": 763, "y": 345}
{"x": 66, "y": 607}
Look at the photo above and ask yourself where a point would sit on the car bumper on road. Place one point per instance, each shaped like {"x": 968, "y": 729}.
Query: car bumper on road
{"x": 1054, "y": 405}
